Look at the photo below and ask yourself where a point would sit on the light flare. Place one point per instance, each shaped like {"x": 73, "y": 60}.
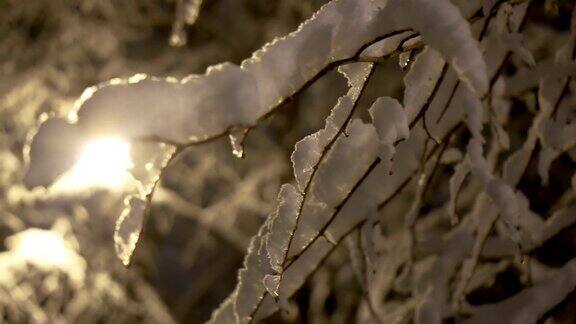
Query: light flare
{"x": 104, "y": 163}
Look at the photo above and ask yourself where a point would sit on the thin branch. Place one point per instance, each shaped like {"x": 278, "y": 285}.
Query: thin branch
{"x": 325, "y": 151}
{"x": 424, "y": 182}
{"x": 337, "y": 210}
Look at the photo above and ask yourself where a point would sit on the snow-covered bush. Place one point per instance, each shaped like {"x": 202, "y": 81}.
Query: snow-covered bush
{"x": 425, "y": 188}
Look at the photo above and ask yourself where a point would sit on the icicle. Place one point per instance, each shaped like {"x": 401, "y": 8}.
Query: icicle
{"x": 404, "y": 59}
{"x": 237, "y": 142}
{"x": 178, "y": 36}
{"x": 191, "y": 11}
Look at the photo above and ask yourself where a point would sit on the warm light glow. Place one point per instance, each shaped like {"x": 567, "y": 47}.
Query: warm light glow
{"x": 42, "y": 248}
{"x": 45, "y": 249}
{"x": 104, "y": 163}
